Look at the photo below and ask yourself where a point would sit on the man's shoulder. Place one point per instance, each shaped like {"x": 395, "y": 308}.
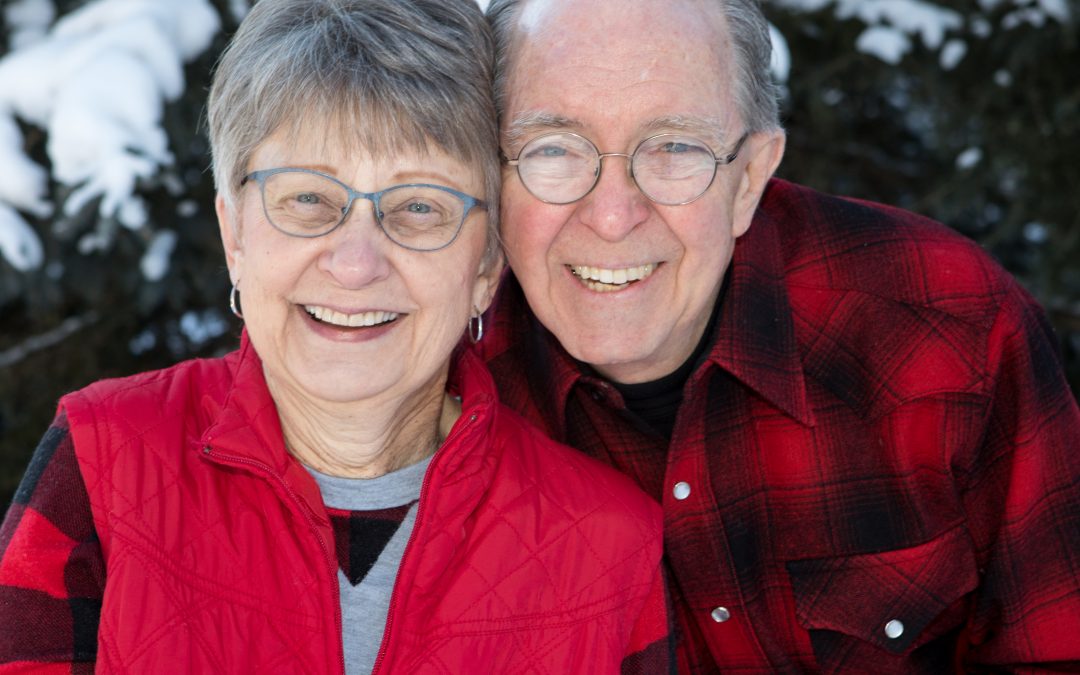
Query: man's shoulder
{"x": 843, "y": 245}
{"x": 889, "y": 306}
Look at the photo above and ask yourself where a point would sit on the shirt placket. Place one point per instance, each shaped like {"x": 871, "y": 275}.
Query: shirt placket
{"x": 695, "y": 541}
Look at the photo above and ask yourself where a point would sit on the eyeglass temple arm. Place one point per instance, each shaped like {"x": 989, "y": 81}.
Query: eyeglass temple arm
{"x": 734, "y": 151}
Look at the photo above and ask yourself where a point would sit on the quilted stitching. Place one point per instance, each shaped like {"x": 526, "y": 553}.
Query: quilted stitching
{"x": 525, "y": 555}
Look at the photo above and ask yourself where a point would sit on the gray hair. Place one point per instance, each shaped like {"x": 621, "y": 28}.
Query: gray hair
{"x": 383, "y": 76}
{"x": 756, "y": 94}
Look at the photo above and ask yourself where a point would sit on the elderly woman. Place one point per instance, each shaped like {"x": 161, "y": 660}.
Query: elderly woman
{"x": 344, "y": 492}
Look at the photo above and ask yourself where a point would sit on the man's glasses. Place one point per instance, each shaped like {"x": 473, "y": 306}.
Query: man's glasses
{"x": 671, "y": 169}
{"x": 307, "y": 203}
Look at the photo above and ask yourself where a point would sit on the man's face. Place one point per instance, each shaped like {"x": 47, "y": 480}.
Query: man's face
{"x": 617, "y": 73}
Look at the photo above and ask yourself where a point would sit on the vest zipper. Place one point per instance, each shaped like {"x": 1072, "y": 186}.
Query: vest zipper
{"x": 330, "y": 563}
{"x": 409, "y": 544}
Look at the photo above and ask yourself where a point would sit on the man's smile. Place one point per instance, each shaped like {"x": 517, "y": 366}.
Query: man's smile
{"x": 605, "y": 280}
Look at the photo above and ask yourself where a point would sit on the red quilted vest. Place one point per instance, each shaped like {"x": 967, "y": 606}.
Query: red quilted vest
{"x": 526, "y": 556}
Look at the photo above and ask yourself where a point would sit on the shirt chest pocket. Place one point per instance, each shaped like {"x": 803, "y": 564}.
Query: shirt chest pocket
{"x": 870, "y": 610}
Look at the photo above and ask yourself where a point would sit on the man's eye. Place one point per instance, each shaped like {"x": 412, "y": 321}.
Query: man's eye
{"x": 546, "y": 151}
{"x": 676, "y": 147}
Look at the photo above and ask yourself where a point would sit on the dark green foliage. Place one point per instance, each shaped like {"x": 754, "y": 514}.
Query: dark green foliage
{"x": 865, "y": 128}
{"x": 112, "y": 304}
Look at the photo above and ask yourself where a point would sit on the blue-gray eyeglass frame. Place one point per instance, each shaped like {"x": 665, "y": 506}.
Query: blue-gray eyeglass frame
{"x": 260, "y": 177}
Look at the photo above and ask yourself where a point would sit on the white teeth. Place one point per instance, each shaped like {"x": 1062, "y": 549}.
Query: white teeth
{"x": 611, "y": 277}
{"x": 363, "y": 319}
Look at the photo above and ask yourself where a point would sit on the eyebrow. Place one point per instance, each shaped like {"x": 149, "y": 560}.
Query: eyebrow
{"x": 709, "y": 127}
{"x": 526, "y": 123}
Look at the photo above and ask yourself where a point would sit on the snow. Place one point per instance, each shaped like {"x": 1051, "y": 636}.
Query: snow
{"x": 891, "y": 24}
{"x": 28, "y": 21}
{"x": 202, "y": 327}
{"x": 18, "y": 243}
{"x": 952, "y": 53}
{"x": 888, "y": 44}
{"x": 155, "y": 262}
{"x": 23, "y": 185}
{"x": 969, "y": 158}
{"x": 909, "y": 16}
{"x": 1056, "y": 10}
{"x": 1036, "y": 232}
{"x": 96, "y": 83}
{"x": 781, "y": 55}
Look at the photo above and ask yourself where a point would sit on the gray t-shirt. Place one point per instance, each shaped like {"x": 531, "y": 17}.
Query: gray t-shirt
{"x": 364, "y": 606}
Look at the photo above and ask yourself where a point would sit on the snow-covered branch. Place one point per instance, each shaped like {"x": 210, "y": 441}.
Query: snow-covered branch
{"x": 96, "y": 82}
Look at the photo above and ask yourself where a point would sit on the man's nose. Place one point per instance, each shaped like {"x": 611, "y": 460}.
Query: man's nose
{"x": 615, "y": 206}
{"x": 356, "y": 252}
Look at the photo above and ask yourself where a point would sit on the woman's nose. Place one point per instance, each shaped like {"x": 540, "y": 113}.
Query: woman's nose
{"x": 356, "y": 252}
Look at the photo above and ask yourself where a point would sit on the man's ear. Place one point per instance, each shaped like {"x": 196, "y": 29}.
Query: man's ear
{"x": 229, "y": 226}
{"x": 487, "y": 279}
{"x": 766, "y": 149}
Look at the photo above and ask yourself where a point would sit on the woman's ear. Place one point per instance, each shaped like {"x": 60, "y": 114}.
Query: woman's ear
{"x": 487, "y": 279}
{"x": 765, "y": 150}
{"x": 229, "y": 226}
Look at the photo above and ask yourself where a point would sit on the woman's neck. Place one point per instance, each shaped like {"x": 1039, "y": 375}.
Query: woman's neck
{"x": 364, "y": 439}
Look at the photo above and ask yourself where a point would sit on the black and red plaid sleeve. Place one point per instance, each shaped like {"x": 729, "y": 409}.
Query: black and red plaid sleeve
{"x": 52, "y": 575}
{"x": 1022, "y": 491}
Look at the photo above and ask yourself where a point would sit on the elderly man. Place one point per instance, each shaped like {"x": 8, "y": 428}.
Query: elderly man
{"x": 856, "y": 422}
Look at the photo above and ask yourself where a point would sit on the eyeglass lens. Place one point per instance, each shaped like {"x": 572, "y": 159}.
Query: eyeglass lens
{"x": 669, "y": 168}
{"x": 309, "y": 205}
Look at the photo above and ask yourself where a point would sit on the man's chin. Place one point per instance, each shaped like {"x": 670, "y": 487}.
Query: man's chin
{"x": 619, "y": 361}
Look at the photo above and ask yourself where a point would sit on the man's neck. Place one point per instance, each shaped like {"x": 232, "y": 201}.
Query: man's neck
{"x": 657, "y": 402}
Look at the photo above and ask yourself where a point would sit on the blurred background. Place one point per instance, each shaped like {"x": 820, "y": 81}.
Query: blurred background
{"x": 110, "y": 261}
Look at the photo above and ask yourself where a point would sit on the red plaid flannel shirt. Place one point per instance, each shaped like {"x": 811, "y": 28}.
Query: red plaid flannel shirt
{"x": 52, "y": 572}
{"x": 876, "y": 469}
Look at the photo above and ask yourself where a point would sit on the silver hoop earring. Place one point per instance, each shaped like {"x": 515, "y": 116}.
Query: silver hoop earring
{"x": 234, "y": 305}
{"x": 476, "y": 328}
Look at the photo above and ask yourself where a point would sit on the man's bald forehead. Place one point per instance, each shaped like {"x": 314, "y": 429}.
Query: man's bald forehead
{"x": 539, "y": 15}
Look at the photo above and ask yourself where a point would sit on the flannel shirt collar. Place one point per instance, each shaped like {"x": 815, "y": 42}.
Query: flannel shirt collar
{"x": 753, "y": 335}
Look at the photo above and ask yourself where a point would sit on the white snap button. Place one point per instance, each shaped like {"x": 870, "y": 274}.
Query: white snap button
{"x": 720, "y": 614}
{"x": 681, "y": 490}
{"x": 894, "y": 629}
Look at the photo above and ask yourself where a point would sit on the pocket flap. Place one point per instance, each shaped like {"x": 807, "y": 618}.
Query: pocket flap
{"x": 904, "y": 590}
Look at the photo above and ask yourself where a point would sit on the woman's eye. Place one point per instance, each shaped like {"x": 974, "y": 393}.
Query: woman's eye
{"x": 419, "y": 207}
{"x": 308, "y": 198}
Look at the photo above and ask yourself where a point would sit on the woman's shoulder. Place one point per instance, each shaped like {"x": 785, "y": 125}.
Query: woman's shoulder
{"x": 152, "y": 390}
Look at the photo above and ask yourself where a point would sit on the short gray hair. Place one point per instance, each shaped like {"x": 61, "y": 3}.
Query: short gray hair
{"x": 387, "y": 75}
{"x": 756, "y": 94}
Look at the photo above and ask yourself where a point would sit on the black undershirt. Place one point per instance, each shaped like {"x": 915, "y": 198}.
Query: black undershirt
{"x": 657, "y": 402}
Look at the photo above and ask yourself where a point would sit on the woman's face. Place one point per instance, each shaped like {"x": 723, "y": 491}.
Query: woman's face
{"x": 419, "y": 302}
